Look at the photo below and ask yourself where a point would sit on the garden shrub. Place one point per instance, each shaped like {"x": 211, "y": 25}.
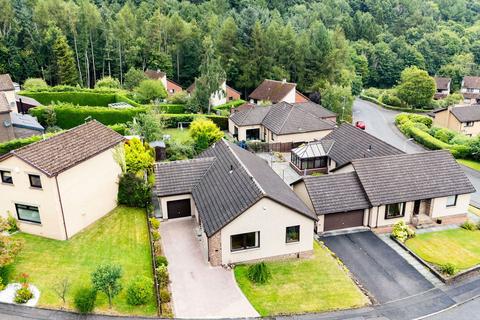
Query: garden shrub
{"x": 164, "y": 296}
{"x": 157, "y": 248}
{"x": 76, "y": 98}
{"x": 150, "y": 90}
{"x": 161, "y": 261}
{"x": 108, "y": 82}
{"x": 402, "y": 232}
{"x": 154, "y": 222}
{"x": 133, "y": 191}
{"x": 23, "y": 294}
{"x": 204, "y": 133}
{"x": 84, "y": 300}
{"x": 8, "y": 146}
{"x": 163, "y": 276}
{"x": 170, "y": 108}
{"x": 448, "y": 268}
{"x": 34, "y": 84}
{"x": 181, "y": 97}
{"x": 139, "y": 291}
{"x": 469, "y": 225}
{"x": 180, "y": 150}
{"x": 133, "y": 77}
{"x": 444, "y": 135}
{"x": 155, "y": 235}
{"x": 138, "y": 156}
{"x": 259, "y": 273}
{"x": 420, "y": 126}
{"x": 172, "y": 120}
{"x": 120, "y": 128}
{"x": 12, "y": 223}
{"x": 391, "y": 100}
{"x": 373, "y": 92}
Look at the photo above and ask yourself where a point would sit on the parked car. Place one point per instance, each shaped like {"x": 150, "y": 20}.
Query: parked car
{"x": 360, "y": 125}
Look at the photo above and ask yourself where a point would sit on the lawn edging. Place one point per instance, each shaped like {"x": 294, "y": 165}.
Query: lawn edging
{"x": 447, "y": 280}
{"x": 158, "y": 299}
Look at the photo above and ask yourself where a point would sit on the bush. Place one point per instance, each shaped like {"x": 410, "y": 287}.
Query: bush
{"x": 18, "y": 143}
{"x": 133, "y": 77}
{"x": 120, "y": 128}
{"x": 391, "y": 100}
{"x": 444, "y": 135}
{"x": 164, "y": 296}
{"x": 34, "y": 84}
{"x": 69, "y": 116}
{"x": 448, "y": 268}
{"x": 155, "y": 223}
{"x": 139, "y": 291}
{"x": 23, "y": 294}
{"x": 181, "y": 97}
{"x": 402, "y": 232}
{"x": 155, "y": 235}
{"x": 138, "y": 156}
{"x": 84, "y": 300}
{"x": 180, "y": 150}
{"x": 162, "y": 276}
{"x": 161, "y": 261}
{"x": 150, "y": 90}
{"x": 12, "y": 223}
{"x": 373, "y": 92}
{"x": 170, "y": 108}
{"x": 259, "y": 273}
{"x": 469, "y": 225}
{"x": 108, "y": 82}
{"x": 133, "y": 191}
{"x": 204, "y": 133}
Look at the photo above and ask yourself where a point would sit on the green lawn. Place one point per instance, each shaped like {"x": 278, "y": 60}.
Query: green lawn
{"x": 457, "y": 246}
{"x": 121, "y": 238}
{"x": 299, "y": 286}
{"x": 178, "y": 135}
{"x": 475, "y": 165}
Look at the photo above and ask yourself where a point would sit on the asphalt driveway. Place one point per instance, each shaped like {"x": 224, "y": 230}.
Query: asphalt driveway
{"x": 198, "y": 289}
{"x": 385, "y": 274}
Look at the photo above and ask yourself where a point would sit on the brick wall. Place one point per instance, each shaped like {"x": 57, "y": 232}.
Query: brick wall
{"x": 215, "y": 249}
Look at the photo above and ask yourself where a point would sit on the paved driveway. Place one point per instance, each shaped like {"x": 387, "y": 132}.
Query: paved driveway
{"x": 385, "y": 274}
{"x": 199, "y": 290}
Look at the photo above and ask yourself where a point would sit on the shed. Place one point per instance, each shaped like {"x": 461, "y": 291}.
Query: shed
{"x": 160, "y": 150}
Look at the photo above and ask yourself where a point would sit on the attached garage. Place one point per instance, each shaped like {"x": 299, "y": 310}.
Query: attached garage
{"x": 179, "y": 209}
{"x": 342, "y": 220}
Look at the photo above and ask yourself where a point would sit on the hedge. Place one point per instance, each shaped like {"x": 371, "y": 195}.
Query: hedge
{"x": 172, "y": 120}
{"x": 224, "y": 109}
{"x": 170, "y": 108}
{"x": 386, "y": 106}
{"x": 69, "y": 116}
{"x": 18, "y": 143}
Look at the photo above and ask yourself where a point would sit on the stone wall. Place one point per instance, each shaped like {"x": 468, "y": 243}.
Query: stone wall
{"x": 215, "y": 249}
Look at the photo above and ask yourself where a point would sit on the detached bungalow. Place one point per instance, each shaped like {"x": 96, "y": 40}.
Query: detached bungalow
{"x": 171, "y": 86}
{"x": 471, "y": 89}
{"x": 421, "y": 188}
{"x": 58, "y": 186}
{"x": 282, "y": 122}
{"x": 243, "y": 209}
{"x": 463, "y": 119}
{"x": 337, "y": 150}
{"x": 273, "y": 91}
{"x": 443, "y": 87}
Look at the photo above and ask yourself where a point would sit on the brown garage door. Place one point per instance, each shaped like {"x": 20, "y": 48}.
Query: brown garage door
{"x": 343, "y": 220}
{"x": 179, "y": 208}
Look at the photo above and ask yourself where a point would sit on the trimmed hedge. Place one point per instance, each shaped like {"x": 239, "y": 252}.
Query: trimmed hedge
{"x": 172, "y": 120}
{"x": 170, "y": 108}
{"x": 69, "y": 116}
{"x": 224, "y": 109}
{"x": 18, "y": 143}
{"x": 386, "y": 106}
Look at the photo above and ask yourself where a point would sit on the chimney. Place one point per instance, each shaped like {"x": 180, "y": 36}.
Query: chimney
{"x": 284, "y": 80}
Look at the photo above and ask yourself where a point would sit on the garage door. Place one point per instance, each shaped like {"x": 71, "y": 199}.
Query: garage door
{"x": 343, "y": 220}
{"x": 179, "y": 208}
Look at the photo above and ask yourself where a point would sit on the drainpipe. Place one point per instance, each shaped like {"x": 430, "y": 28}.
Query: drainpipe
{"x": 61, "y": 208}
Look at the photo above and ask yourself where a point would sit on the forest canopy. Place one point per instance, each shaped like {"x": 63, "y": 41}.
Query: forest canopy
{"x": 348, "y": 43}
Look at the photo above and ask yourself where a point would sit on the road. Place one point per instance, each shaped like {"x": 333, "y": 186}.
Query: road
{"x": 467, "y": 311}
{"x": 380, "y": 122}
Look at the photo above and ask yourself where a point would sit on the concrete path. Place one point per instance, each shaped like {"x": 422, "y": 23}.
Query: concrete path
{"x": 281, "y": 167}
{"x": 198, "y": 289}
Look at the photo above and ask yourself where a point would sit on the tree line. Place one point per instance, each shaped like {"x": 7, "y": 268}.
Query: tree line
{"x": 349, "y": 44}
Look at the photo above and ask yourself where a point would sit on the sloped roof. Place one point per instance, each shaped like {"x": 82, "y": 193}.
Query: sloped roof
{"x": 4, "y": 106}
{"x": 442, "y": 83}
{"x": 26, "y": 121}
{"x": 314, "y": 149}
{"x": 315, "y": 109}
{"x": 249, "y": 115}
{"x": 409, "y": 177}
{"x": 179, "y": 177}
{"x": 27, "y": 100}
{"x": 471, "y": 82}
{"x": 272, "y": 90}
{"x": 335, "y": 193}
{"x": 154, "y": 74}
{"x": 354, "y": 143}
{"x": 6, "y": 83}
{"x": 466, "y": 113}
{"x": 65, "y": 150}
{"x": 226, "y": 181}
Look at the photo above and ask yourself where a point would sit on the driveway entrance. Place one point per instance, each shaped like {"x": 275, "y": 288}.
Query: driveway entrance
{"x": 198, "y": 289}
{"x": 384, "y": 273}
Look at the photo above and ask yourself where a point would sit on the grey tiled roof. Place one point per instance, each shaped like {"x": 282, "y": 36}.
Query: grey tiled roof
{"x": 179, "y": 177}
{"x": 250, "y": 116}
{"x": 336, "y": 193}
{"x": 466, "y": 113}
{"x": 26, "y": 121}
{"x": 315, "y": 109}
{"x": 286, "y": 118}
{"x": 236, "y": 180}
{"x": 67, "y": 149}
{"x": 354, "y": 143}
{"x": 408, "y": 177}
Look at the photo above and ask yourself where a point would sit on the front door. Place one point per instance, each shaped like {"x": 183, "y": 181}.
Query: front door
{"x": 416, "y": 207}
{"x": 179, "y": 208}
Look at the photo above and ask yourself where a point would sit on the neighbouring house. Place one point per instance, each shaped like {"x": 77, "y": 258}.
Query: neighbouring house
{"x": 242, "y": 208}
{"x": 461, "y": 118}
{"x": 471, "y": 89}
{"x": 58, "y": 186}
{"x": 282, "y": 122}
{"x": 443, "y": 87}
{"x": 337, "y": 149}
{"x": 25, "y": 103}
{"x": 273, "y": 91}
{"x": 223, "y": 96}
{"x": 420, "y": 189}
{"x": 170, "y": 86}
{"x": 15, "y": 125}
{"x": 8, "y": 88}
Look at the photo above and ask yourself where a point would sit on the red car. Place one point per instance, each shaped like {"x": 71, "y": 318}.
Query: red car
{"x": 360, "y": 125}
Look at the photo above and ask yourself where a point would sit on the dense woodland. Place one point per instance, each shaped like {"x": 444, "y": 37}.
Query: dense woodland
{"x": 347, "y": 43}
